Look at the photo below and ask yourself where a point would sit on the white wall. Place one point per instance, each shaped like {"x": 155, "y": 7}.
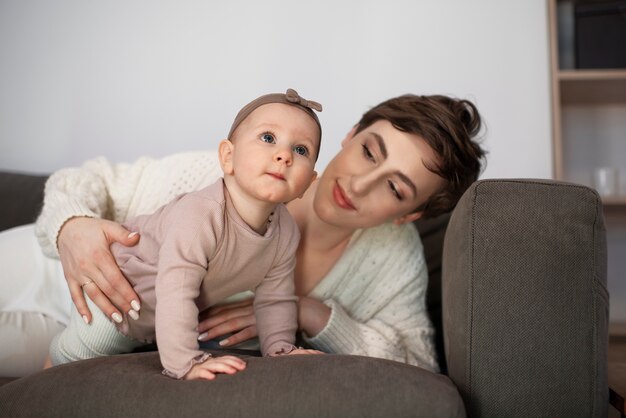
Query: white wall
{"x": 80, "y": 78}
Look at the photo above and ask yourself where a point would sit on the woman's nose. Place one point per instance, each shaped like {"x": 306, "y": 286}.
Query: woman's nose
{"x": 362, "y": 183}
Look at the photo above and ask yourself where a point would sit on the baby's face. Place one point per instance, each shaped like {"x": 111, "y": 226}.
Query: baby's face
{"x": 275, "y": 149}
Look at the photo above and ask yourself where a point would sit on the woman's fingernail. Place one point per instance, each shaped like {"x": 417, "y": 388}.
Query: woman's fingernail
{"x": 117, "y": 317}
{"x": 202, "y": 336}
{"x": 133, "y": 314}
{"x": 224, "y": 342}
{"x": 86, "y": 319}
{"x": 136, "y": 306}
{"x": 132, "y": 234}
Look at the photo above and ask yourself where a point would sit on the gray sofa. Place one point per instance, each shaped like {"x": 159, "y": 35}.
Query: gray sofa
{"x": 519, "y": 298}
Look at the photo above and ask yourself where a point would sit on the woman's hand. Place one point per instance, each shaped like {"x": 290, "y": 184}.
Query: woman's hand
{"x": 238, "y": 318}
{"x": 235, "y": 318}
{"x": 84, "y": 248}
{"x": 208, "y": 369}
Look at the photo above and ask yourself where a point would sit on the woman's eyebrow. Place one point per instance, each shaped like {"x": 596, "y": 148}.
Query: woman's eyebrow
{"x": 383, "y": 150}
{"x": 381, "y": 144}
{"x": 406, "y": 180}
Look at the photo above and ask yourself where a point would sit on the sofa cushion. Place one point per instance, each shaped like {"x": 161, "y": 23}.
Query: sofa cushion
{"x": 301, "y": 385}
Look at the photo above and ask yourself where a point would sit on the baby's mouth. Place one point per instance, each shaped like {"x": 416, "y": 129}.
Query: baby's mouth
{"x": 278, "y": 176}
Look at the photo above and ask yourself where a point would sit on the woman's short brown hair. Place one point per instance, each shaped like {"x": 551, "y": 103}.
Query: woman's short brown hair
{"x": 450, "y": 127}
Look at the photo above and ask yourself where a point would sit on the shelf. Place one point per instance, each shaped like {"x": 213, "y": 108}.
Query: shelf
{"x": 590, "y": 103}
{"x": 617, "y": 329}
{"x": 592, "y": 87}
{"x": 614, "y": 201}
{"x": 591, "y": 75}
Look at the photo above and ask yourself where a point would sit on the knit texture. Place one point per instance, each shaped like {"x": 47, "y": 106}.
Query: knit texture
{"x": 377, "y": 294}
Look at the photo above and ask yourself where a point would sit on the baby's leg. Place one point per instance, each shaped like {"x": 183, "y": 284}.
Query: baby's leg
{"x": 81, "y": 341}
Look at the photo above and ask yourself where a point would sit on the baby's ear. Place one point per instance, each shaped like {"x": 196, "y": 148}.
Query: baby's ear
{"x": 225, "y": 151}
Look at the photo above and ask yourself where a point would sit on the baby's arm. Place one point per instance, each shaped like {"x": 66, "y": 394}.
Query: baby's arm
{"x": 275, "y": 303}
{"x": 189, "y": 243}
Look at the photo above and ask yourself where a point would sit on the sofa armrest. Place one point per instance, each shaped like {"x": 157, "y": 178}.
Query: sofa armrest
{"x": 21, "y": 196}
{"x": 525, "y": 304}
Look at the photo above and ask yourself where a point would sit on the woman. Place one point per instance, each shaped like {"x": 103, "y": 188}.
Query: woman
{"x": 360, "y": 273}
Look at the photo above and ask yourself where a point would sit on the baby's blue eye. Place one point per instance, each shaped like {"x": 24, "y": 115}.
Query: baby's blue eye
{"x": 269, "y": 138}
{"x": 301, "y": 149}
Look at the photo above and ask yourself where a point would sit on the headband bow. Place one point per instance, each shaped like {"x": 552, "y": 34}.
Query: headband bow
{"x": 293, "y": 97}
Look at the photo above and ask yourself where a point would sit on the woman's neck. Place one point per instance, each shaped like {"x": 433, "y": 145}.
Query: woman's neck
{"x": 318, "y": 234}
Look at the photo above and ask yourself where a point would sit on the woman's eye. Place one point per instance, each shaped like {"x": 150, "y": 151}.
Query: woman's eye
{"x": 394, "y": 190}
{"x": 301, "y": 149}
{"x": 367, "y": 153}
{"x": 268, "y": 137}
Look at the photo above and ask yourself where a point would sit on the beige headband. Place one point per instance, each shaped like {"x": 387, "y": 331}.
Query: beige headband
{"x": 291, "y": 97}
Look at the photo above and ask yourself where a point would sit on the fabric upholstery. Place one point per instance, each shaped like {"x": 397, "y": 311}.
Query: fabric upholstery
{"x": 525, "y": 304}
{"x": 21, "y": 196}
{"x": 302, "y": 385}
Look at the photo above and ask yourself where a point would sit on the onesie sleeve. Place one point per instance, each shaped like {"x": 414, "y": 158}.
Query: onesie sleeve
{"x": 394, "y": 322}
{"x": 275, "y": 303}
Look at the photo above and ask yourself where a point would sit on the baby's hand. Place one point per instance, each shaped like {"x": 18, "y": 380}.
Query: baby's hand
{"x": 208, "y": 369}
{"x": 304, "y": 351}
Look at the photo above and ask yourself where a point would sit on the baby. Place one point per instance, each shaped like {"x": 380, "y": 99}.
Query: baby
{"x": 205, "y": 246}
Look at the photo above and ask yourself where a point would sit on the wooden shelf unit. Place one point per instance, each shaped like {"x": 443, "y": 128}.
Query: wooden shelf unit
{"x": 589, "y": 131}
{"x": 578, "y": 87}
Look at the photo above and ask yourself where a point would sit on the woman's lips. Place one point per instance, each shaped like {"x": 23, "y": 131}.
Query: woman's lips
{"x": 341, "y": 199}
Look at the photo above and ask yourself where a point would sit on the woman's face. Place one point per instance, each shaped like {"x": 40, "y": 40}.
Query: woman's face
{"x": 379, "y": 175}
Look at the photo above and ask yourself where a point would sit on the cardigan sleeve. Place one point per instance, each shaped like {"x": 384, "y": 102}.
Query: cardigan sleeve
{"x": 97, "y": 189}
{"x": 381, "y": 314}
{"x": 102, "y": 189}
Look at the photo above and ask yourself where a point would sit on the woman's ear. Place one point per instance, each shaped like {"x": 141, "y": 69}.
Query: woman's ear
{"x": 408, "y": 218}
{"x": 225, "y": 151}
{"x": 349, "y": 135}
